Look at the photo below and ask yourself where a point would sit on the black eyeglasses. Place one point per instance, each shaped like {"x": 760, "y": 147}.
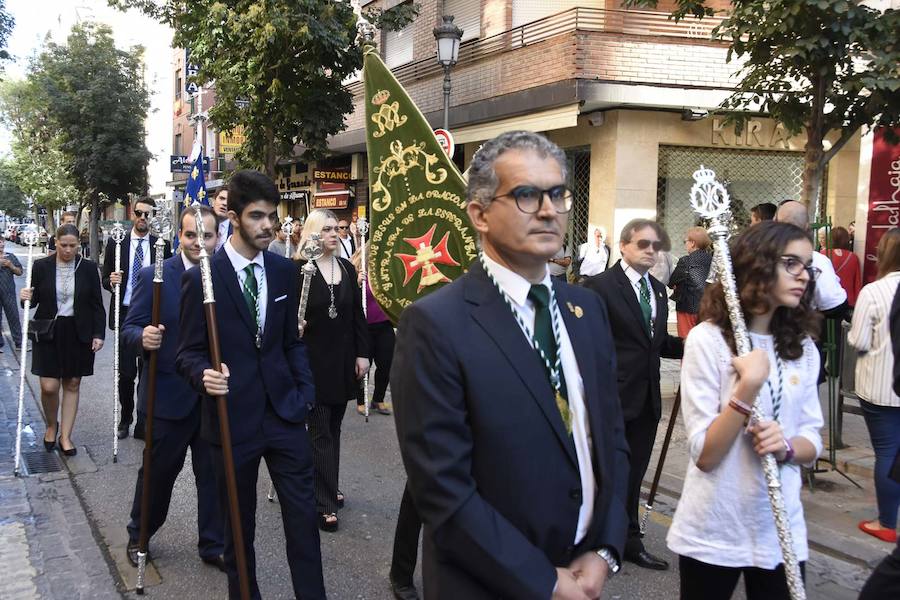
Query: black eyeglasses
{"x": 529, "y": 198}
{"x": 794, "y": 266}
{"x": 142, "y": 213}
{"x": 644, "y": 244}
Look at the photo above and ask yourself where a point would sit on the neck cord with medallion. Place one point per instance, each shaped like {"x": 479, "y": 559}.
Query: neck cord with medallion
{"x": 332, "y": 309}
{"x": 779, "y": 368}
{"x": 554, "y": 370}
{"x": 260, "y": 281}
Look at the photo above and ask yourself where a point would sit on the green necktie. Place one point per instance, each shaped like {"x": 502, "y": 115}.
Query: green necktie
{"x": 543, "y": 335}
{"x": 251, "y": 291}
{"x": 645, "y": 305}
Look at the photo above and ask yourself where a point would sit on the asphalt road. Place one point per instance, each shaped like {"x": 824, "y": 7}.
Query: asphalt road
{"x": 356, "y": 559}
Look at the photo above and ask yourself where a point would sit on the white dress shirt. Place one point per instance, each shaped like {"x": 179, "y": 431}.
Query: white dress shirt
{"x": 188, "y": 265}
{"x": 346, "y": 247}
{"x": 135, "y": 240}
{"x": 829, "y": 291}
{"x": 635, "y": 278}
{"x": 723, "y": 517}
{"x": 517, "y": 287}
{"x": 239, "y": 263}
{"x": 870, "y": 334}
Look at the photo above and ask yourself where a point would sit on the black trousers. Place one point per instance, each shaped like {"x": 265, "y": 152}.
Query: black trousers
{"x": 406, "y": 541}
{"x": 382, "y": 355}
{"x": 171, "y": 440}
{"x": 325, "y": 436}
{"x": 884, "y": 582}
{"x": 129, "y": 367}
{"x": 640, "y": 433}
{"x": 10, "y": 306}
{"x": 702, "y": 581}
{"x": 285, "y": 446}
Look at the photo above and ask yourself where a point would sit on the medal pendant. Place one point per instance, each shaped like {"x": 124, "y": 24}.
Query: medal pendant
{"x": 332, "y": 312}
{"x": 258, "y": 340}
{"x": 564, "y": 412}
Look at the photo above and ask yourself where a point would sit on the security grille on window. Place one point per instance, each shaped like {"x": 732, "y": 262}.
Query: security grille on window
{"x": 398, "y": 46}
{"x": 579, "y": 162}
{"x": 751, "y": 176}
{"x": 466, "y": 16}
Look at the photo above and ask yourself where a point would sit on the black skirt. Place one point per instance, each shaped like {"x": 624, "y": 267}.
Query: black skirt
{"x": 65, "y": 355}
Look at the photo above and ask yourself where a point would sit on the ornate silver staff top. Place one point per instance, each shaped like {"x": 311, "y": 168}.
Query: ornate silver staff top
{"x": 161, "y": 226}
{"x": 312, "y": 250}
{"x": 30, "y": 236}
{"x": 209, "y": 296}
{"x": 710, "y": 200}
{"x": 117, "y": 232}
{"x": 362, "y": 226}
{"x": 287, "y": 228}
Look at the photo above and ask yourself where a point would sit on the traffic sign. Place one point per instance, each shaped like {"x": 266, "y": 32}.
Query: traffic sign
{"x": 445, "y": 139}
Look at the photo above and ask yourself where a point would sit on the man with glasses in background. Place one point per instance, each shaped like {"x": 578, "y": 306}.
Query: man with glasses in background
{"x": 638, "y": 314}
{"x": 138, "y": 250}
{"x": 506, "y": 413}
{"x": 348, "y": 244}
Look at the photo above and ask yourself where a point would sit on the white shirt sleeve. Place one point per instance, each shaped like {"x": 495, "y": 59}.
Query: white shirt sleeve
{"x": 829, "y": 293}
{"x": 701, "y": 383}
{"x": 863, "y": 324}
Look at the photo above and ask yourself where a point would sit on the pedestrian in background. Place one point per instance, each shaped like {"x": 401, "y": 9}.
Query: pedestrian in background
{"x": 689, "y": 278}
{"x": 665, "y": 262}
{"x": 870, "y": 335}
{"x": 85, "y": 242}
{"x": 764, "y": 211}
{"x": 10, "y": 267}
{"x": 336, "y": 336}
{"x": 69, "y": 330}
{"x": 846, "y": 263}
{"x": 723, "y": 525}
{"x": 593, "y": 255}
{"x": 381, "y": 342}
{"x": 278, "y": 245}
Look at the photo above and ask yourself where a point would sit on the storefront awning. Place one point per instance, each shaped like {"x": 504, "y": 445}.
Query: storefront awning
{"x": 545, "y": 120}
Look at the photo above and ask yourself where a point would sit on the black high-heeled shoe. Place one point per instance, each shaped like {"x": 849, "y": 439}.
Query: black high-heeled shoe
{"x": 51, "y": 445}
{"x": 70, "y": 452}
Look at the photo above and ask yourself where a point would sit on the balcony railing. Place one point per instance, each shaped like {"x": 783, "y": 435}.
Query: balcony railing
{"x": 578, "y": 19}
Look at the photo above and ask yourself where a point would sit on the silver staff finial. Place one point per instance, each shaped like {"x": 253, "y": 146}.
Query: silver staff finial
{"x": 362, "y": 226}
{"x": 287, "y": 226}
{"x": 709, "y": 198}
{"x": 161, "y": 226}
{"x": 30, "y": 236}
{"x": 312, "y": 250}
{"x": 117, "y": 233}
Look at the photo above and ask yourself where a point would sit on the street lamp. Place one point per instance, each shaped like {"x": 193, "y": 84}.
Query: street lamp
{"x": 448, "y": 36}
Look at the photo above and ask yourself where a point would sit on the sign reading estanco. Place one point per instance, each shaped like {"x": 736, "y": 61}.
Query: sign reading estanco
{"x": 231, "y": 141}
{"x": 335, "y": 174}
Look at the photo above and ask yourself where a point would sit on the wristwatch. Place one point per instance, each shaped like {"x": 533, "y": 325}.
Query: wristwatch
{"x": 606, "y": 555}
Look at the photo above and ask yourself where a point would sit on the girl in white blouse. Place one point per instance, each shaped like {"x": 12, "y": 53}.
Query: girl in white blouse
{"x": 723, "y": 526}
{"x": 871, "y": 336}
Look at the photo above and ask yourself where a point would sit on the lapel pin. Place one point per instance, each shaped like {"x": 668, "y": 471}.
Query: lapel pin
{"x": 575, "y": 309}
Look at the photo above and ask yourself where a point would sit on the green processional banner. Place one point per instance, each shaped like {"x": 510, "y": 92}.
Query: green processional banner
{"x": 420, "y": 236}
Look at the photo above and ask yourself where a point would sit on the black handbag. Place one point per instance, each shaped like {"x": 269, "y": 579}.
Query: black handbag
{"x": 41, "y": 330}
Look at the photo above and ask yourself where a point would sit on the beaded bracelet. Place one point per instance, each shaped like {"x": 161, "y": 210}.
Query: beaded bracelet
{"x": 741, "y": 407}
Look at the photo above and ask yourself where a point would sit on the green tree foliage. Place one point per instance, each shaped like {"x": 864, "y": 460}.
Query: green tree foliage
{"x": 12, "y": 199}
{"x": 36, "y": 166}
{"x": 97, "y": 100}
{"x": 278, "y": 66}
{"x": 7, "y": 22}
{"x": 826, "y": 67}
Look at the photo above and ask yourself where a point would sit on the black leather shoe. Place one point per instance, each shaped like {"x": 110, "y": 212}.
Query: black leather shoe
{"x": 138, "y": 433}
{"x": 132, "y": 553}
{"x": 404, "y": 591}
{"x": 648, "y": 561}
{"x": 215, "y": 561}
{"x": 122, "y": 432}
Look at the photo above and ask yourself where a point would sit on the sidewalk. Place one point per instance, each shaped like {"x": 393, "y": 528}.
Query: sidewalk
{"x": 47, "y": 546}
{"x": 833, "y": 505}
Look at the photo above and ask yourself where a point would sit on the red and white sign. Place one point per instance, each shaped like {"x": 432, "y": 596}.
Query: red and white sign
{"x": 884, "y": 199}
{"x": 445, "y": 139}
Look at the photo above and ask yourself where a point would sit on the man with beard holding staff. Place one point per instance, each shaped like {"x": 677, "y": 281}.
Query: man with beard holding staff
{"x": 138, "y": 251}
{"x": 176, "y": 423}
{"x": 507, "y": 416}
{"x": 265, "y": 379}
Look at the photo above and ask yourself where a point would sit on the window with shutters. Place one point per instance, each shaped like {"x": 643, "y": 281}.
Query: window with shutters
{"x": 398, "y": 46}
{"x": 466, "y": 16}
{"x": 526, "y": 11}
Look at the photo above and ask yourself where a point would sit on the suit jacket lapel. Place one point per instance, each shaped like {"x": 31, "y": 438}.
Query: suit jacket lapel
{"x": 225, "y": 272}
{"x": 585, "y": 355}
{"x": 660, "y": 325}
{"x": 631, "y": 299}
{"x": 53, "y": 286}
{"x": 496, "y": 318}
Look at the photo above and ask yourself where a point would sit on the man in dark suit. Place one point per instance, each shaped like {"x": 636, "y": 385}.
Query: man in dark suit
{"x": 138, "y": 251}
{"x": 516, "y": 458}
{"x": 176, "y": 422}
{"x": 220, "y": 207}
{"x": 638, "y": 314}
{"x": 265, "y": 376}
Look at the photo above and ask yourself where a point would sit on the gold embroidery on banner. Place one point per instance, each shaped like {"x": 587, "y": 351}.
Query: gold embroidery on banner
{"x": 400, "y": 162}
{"x": 388, "y": 116}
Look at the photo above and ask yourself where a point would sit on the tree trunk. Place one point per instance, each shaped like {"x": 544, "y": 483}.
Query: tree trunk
{"x": 813, "y": 164}
{"x": 95, "y": 227}
{"x": 270, "y": 153}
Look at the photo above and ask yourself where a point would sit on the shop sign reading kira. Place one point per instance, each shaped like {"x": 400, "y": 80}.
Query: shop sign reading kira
{"x": 420, "y": 236}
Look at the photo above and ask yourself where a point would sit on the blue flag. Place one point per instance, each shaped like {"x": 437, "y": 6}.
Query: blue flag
{"x": 195, "y": 190}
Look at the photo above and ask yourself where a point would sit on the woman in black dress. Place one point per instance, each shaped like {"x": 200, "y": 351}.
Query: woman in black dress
{"x": 66, "y": 291}
{"x": 336, "y": 337}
